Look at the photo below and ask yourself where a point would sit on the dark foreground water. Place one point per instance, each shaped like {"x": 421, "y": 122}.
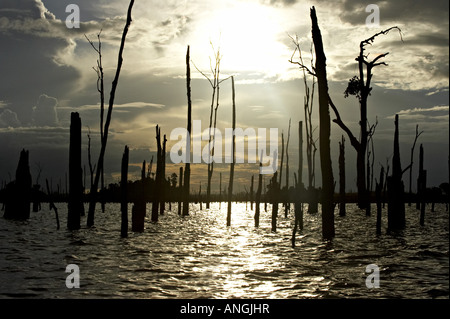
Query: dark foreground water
{"x": 199, "y": 257}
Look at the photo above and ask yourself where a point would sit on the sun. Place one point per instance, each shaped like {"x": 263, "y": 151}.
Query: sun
{"x": 248, "y": 36}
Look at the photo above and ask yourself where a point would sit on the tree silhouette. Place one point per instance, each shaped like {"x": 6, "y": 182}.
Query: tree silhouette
{"x": 93, "y": 192}
{"x": 360, "y": 86}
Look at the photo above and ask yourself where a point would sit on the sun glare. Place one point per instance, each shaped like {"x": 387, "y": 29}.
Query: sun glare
{"x": 247, "y": 34}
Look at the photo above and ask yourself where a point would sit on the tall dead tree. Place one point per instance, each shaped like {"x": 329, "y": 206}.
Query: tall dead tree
{"x": 275, "y": 190}
{"x": 328, "y": 230}
{"x": 308, "y": 110}
{"x": 411, "y": 163}
{"x": 233, "y": 152}
{"x": 215, "y": 82}
{"x": 104, "y": 140}
{"x": 422, "y": 187}
{"x": 287, "y": 203}
{"x": 258, "y": 196}
{"x": 360, "y": 86}
{"x": 396, "y": 204}
{"x": 162, "y": 201}
{"x": 378, "y": 194}
{"x": 342, "y": 177}
{"x": 159, "y": 176}
{"x": 187, "y": 167}
{"x": 124, "y": 191}
{"x": 75, "y": 202}
{"x": 180, "y": 189}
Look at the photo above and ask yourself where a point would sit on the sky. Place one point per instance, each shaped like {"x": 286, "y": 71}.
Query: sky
{"x": 46, "y": 73}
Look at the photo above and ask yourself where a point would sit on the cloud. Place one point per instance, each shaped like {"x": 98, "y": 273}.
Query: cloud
{"x": 8, "y": 118}
{"x": 45, "y": 112}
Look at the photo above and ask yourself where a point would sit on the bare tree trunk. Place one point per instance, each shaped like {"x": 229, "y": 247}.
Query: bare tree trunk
{"x": 287, "y": 204}
{"x": 378, "y": 190}
{"x": 422, "y": 187}
{"x": 75, "y": 177}
{"x": 258, "y": 197}
{"x": 124, "y": 190}
{"x": 187, "y": 168}
{"x": 328, "y": 230}
{"x": 411, "y": 164}
{"x": 180, "y": 190}
{"x": 342, "y": 177}
{"x": 251, "y": 192}
{"x": 275, "y": 194}
{"x": 233, "y": 149}
{"x": 396, "y": 204}
{"x": 93, "y": 192}
{"x": 158, "y": 178}
{"x": 162, "y": 200}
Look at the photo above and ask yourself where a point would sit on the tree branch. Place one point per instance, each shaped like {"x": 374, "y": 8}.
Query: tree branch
{"x": 353, "y": 141}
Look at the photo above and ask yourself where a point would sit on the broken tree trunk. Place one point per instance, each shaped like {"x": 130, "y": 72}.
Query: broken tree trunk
{"x": 233, "y": 151}
{"x": 162, "y": 199}
{"x": 258, "y": 197}
{"x": 180, "y": 190}
{"x": 342, "y": 177}
{"x": 298, "y": 207}
{"x": 422, "y": 182}
{"x": 158, "y": 182}
{"x": 328, "y": 230}
{"x": 75, "y": 174}
{"x": 396, "y": 204}
{"x": 378, "y": 194}
{"x": 275, "y": 194}
{"x": 123, "y": 191}
{"x": 187, "y": 168}
{"x": 18, "y": 193}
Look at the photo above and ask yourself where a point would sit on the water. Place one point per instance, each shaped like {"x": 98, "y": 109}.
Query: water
{"x": 199, "y": 257}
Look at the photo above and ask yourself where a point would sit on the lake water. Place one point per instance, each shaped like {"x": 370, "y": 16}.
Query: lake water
{"x": 199, "y": 257}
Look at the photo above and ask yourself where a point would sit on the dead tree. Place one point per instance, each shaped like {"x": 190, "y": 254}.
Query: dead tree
{"x": 328, "y": 230}
{"x": 422, "y": 187}
{"x": 396, "y": 204}
{"x": 342, "y": 177}
{"x": 275, "y": 188}
{"x": 123, "y": 191}
{"x": 369, "y": 165}
{"x": 158, "y": 178}
{"x": 411, "y": 163}
{"x": 233, "y": 151}
{"x": 101, "y": 90}
{"x": 251, "y": 192}
{"x": 378, "y": 194}
{"x": 180, "y": 190}
{"x": 282, "y": 158}
{"x": 75, "y": 202}
{"x": 187, "y": 168}
{"x": 299, "y": 185}
{"x": 18, "y": 192}
{"x": 162, "y": 202}
{"x": 360, "y": 86}
{"x": 258, "y": 196}
{"x": 287, "y": 204}
{"x": 308, "y": 109}
{"x": 298, "y": 206}
{"x": 104, "y": 140}
{"x": 215, "y": 86}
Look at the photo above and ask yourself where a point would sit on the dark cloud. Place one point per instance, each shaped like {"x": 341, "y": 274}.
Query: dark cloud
{"x": 404, "y": 11}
